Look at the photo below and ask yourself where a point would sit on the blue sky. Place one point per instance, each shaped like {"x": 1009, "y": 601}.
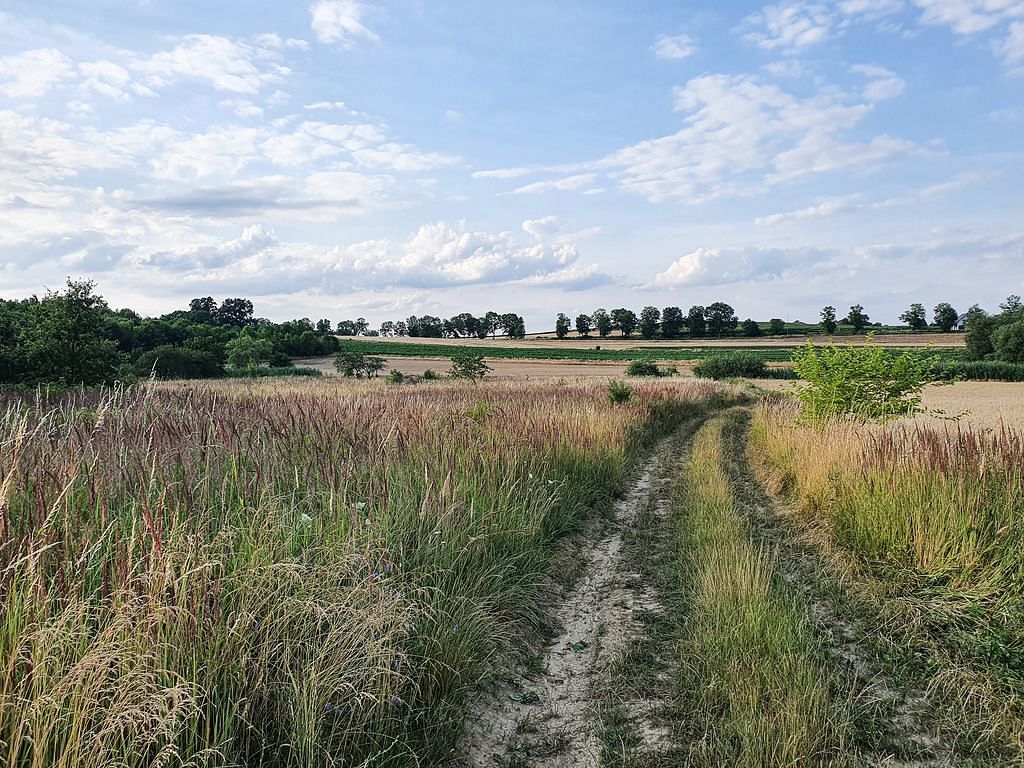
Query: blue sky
{"x": 339, "y": 158}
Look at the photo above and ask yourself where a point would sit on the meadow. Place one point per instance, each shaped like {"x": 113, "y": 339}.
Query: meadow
{"x": 286, "y": 573}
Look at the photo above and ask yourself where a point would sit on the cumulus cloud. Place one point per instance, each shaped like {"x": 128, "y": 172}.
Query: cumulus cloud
{"x": 719, "y": 266}
{"x": 793, "y": 26}
{"x": 674, "y": 47}
{"x": 434, "y": 256}
{"x": 30, "y": 74}
{"x": 226, "y": 64}
{"x": 339, "y": 22}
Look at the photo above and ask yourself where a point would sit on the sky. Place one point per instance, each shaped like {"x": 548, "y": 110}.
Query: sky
{"x": 340, "y": 158}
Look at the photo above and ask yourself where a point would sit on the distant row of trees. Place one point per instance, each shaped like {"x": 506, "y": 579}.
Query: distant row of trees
{"x": 944, "y": 317}
{"x": 715, "y": 319}
{"x": 464, "y": 325}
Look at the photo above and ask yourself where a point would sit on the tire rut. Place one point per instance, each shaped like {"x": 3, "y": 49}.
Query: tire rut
{"x": 550, "y": 719}
{"x": 911, "y": 742}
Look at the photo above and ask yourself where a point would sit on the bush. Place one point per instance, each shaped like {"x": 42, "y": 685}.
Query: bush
{"x": 867, "y": 381}
{"x": 727, "y": 365}
{"x": 430, "y": 375}
{"x": 619, "y": 392}
{"x": 468, "y": 365}
{"x": 395, "y": 377}
{"x": 349, "y": 362}
{"x": 170, "y": 362}
{"x": 271, "y": 371}
{"x": 643, "y": 368}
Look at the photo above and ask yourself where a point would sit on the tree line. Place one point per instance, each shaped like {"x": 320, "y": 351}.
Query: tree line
{"x": 72, "y": 337}
{"x": 717, "y": 319}
{"x": 464, "y": 325}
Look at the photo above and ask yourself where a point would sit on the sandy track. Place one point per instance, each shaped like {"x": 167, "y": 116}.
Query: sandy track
{"x": 550, "y": 718}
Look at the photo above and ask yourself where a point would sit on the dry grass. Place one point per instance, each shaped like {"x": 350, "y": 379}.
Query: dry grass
{"x": 286, "y": 573}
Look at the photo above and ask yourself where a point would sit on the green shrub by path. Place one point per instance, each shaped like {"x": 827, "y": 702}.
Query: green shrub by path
{"x": 650, "y": 368}
{"x": 727, "y": 365}
{"x": 282, "y": 572}
{"x": 271, "y": 372}
{"x": 755, "y": 685}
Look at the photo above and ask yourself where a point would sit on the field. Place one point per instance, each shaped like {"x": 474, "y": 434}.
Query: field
{"x": 315, "y": 572}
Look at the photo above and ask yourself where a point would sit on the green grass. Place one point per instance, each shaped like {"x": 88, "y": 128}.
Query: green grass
{"x": 755, "y": 686}
{"x": 927, "y": 526}
{"x": 653, "y": 352}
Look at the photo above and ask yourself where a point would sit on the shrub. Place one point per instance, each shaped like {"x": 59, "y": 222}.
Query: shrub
{"x": 395, "y": 377}
{"x": 979, "y": 370}
{"x": 643, "y": 368}
{"x": 430, "y": 375}
{"x": 170, "y": 362}
{"x": 350, "y": 363}
{"x": 867, "y": 381}
{"x": 271, "y": 372}
{"x": 727, "y": 365}
{"x": 618, "y": 392}
{"x": 468, "y": 365}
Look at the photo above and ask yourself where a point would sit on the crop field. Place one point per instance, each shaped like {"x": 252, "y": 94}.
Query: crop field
{"x": 598, "y": 351}
{"x": 329, "y": 572}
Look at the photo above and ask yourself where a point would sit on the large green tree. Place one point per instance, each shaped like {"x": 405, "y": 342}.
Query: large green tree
{"x": 649, "y": 319}
{"x": 945, "y": 316}
{"x": 828, "y": 319}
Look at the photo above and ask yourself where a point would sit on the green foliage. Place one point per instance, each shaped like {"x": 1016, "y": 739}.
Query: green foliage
{"x": 672, "y": 322}
{"x": 649, "y": 319}
{"x": 752, "y": 329}
{"x": 624, "y": 320}
{"x": 169, "y": 362}
{"x": 644, "y": 368}
{"x": 619, "y": 392}
{"x": 468, "y": 365}
{"x": 857, "y": 318}
{"x": 244, "y": 351}
{"x": 915, "y": 317}
{"x": 602, "y": 322}
{"x": 430, "y": 375}
{"x": 828, "y": 320}
{"x": 776, "y": 326}
{"x": 395, "y": 376}
{"x": 728, "y": 365}
{"x": 866, "y": 382}
{"x": 1008, "y": 341}
{"x": 270, "y": 371}
{"x": 695, "y": 321}
{"x": 562, "y": 325}
{"x": 945, "y": 316}
{"x": 583, "y": 325}
{"x": 350, "y": 362}
{"x": 720, "y": 317}
{"x": 979, "y": 370}
{"x": 63, "y": 339}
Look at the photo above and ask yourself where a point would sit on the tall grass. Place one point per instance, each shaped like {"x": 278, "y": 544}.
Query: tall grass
{"x": 754, "y": 675}
{"x": 930, "y": 522}
{"x": 283, "y": 573}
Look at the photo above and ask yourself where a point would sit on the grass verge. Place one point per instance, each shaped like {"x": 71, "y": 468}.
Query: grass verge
{"x": 755, "y": 685}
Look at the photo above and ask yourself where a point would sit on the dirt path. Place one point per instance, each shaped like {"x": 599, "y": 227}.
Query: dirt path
{"x": 550, "y": 718}
{"x": 903, "y": 737}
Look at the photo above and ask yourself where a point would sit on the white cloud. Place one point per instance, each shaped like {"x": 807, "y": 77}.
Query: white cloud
{"x": 225, "y": 64}
{"x": 883, "y": 83}
{"x": 823, "y": 209}
{"x": 791, "y": 26}
{"x": 503, "y": 173}
{"x": 742, "y": 136}
{"x": 32, "y": 73}
{"x": 110, "y": 79}
{"x": 674, "y": 46}
{"x": 218, "y": 152}
{"x": 1012, "y": 48}
{"x": 339, "y": 21}
{"x": 243, "y": 108}
{"x": 569, "y": 183}
{"x": 967, "y": 17}
{"x": 720, "y": 266}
